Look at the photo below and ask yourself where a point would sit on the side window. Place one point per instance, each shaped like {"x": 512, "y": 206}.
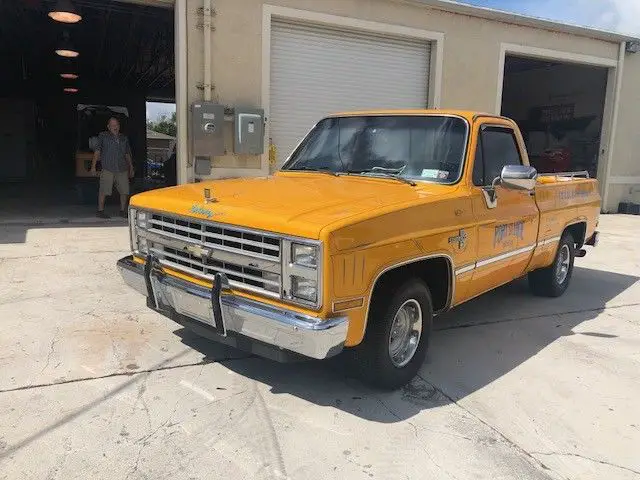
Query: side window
{"x": 499, "y": 148}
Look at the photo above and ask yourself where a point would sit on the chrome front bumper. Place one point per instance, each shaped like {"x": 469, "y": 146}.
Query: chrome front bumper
{"x": 225, "y": 312}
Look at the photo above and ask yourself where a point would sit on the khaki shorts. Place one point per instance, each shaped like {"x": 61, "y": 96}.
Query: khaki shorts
{"x": 107, "y": 179}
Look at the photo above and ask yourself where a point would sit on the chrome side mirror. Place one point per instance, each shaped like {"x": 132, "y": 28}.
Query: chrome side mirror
{"x": 519, "y": 177}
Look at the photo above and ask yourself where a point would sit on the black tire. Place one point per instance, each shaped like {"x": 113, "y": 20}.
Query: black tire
{"x": 546, "y": 282}
{"x": 373, "y": 358}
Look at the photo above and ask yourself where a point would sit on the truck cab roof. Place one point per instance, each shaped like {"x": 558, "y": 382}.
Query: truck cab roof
{"x": 469, "y": 115}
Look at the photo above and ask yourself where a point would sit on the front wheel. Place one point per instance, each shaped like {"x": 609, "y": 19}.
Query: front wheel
{"x": 553, "y": 280}
{"x": 399, "y": 326}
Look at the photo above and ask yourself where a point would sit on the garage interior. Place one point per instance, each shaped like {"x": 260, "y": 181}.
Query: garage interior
{"x": 52, "y": 100}
{"x": 559, "y": 107}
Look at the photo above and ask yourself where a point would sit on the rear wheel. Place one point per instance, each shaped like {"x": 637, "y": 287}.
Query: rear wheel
{"x": 553, "y": 280}
{"x": 397, "y": 336}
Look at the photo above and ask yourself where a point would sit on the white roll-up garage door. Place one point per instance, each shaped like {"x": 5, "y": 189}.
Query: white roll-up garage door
{"x": 317, "y": 70}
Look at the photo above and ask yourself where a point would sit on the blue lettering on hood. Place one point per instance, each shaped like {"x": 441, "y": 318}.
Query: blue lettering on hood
{"x": 201, "y": 211}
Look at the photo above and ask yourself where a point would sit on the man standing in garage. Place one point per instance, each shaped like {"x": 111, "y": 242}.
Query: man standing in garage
{"x": 114, "y": 152}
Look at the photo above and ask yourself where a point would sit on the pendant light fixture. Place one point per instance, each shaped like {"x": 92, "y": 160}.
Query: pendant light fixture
{"x": 65, "y": 48}
{"x": 65, "y": 12}
{"x": 71, "y": 90}
{"x": 68, "y": 68}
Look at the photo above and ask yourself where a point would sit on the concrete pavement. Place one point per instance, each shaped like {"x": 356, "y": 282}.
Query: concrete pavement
{"x": 93, "y": 385}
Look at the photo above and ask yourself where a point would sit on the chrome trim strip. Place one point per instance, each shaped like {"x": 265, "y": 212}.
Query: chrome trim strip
{"x": 548, "y": 241}
{"x": 577, "y": 173}
{"x": 504, "y": 256}
{"x": 466, "y": 269}
{"x": 275, "y": 325}
{"x": 497, "y": 258}
{"x": 452, "y": 282}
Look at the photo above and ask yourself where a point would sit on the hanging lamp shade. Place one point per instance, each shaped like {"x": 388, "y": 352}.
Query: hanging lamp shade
{"x": 65, "y": 48}
{"x": 65, "y": 12}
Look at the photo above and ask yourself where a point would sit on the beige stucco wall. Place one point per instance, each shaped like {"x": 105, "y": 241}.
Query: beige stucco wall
{"x": 626, "y": 147}
{"x": 471, "y": 46}
{"x": 627, "y": 141}
{"x": 469, "y": 72}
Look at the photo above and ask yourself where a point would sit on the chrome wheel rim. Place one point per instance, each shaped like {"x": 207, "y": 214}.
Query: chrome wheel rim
{"x": 564, "y": 259}
{"x": 405, "y": 333}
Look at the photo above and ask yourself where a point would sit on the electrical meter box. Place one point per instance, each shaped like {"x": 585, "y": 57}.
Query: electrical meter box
{"x": 248, "y": 127}
{"x": 207, "y": 129}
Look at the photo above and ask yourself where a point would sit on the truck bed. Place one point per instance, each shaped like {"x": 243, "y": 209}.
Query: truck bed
{"x": 567, "y": 198}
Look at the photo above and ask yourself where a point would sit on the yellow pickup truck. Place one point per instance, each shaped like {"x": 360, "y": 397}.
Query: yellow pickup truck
{"x": 377, "y": 222}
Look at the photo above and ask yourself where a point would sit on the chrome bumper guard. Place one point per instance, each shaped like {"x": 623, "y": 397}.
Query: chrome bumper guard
{"x": 225, "y": 312}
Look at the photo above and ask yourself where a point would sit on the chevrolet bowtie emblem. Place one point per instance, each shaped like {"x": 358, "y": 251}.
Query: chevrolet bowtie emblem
{"x": 197, "y": 251}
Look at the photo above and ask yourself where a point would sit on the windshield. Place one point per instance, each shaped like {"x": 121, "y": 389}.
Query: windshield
{"x": 427, "y": 147}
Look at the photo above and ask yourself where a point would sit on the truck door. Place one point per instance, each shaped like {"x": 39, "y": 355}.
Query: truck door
{"x": 507, "y": 219}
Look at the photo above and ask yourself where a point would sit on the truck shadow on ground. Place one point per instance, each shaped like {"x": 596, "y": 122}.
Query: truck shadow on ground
{"x": 470, "y": 347}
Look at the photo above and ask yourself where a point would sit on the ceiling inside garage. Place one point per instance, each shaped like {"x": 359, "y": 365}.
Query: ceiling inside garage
{"x": 121, "y": 45}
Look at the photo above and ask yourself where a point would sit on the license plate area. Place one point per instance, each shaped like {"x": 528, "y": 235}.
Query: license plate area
{"x": 194, "y": 307}
{"x": 166, "y": 295}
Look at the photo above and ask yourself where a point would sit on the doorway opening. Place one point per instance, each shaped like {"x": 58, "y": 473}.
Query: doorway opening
{"x": 559, "y": 107}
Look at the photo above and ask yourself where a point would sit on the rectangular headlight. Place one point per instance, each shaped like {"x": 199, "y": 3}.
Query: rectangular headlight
{"x": 304, "y": 289}
{"x": 138, "y": 221}
{"x": 141, "y": 219}
{"x": 302, "y": 271}
{"x": 304, "y": 255}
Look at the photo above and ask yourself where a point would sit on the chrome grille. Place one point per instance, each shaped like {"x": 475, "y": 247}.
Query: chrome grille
{"x": 251, "y": 260}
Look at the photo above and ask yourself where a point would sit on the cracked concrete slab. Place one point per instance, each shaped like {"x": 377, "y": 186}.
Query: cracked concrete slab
{"x": 93, "y": 385}
{"x": 247, "y": 419}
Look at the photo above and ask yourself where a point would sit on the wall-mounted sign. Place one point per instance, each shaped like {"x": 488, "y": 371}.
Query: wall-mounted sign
{"x": 557, "y": 113}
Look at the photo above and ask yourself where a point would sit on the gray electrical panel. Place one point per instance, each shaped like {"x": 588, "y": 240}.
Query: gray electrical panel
{"x": 207, "y": 129}
{"x": 202, "y": 166}
{"x": 248, "y": 137}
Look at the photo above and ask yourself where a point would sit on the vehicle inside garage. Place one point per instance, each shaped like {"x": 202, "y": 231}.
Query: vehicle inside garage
{"x": 559, "y": 107}
{"x": 68, "y": 67}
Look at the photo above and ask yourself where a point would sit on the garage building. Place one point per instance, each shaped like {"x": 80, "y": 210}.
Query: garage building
{"x": 572, "y": 90}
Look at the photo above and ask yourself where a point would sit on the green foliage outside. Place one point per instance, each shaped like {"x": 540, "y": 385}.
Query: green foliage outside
{"x": 166, "y": 125}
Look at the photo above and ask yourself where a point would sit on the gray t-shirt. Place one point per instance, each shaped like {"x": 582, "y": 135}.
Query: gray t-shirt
{"x": 112, "y": 150}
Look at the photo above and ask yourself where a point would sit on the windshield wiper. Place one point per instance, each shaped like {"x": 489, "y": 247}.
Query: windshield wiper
{"x": 310, "y": 169}
{"x": 384, "y": 172}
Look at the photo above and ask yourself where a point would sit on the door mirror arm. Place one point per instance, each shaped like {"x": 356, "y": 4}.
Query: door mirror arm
{"x": 491, "y": 194}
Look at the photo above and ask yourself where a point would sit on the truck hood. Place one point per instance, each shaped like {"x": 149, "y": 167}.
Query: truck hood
{"x": 299, "y": 204}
